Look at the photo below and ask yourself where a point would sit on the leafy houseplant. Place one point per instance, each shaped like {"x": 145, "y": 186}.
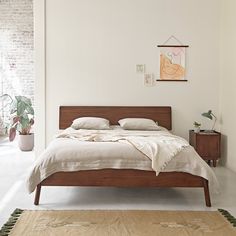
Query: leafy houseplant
{"x": 23, "y": 113}
{"x": 22, "y": 120}
{"x": 196, "y": 127}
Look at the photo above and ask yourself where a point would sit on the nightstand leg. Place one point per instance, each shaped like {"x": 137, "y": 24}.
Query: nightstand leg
{"x": 209, "y": 162}
{"x": 214, "y": 163}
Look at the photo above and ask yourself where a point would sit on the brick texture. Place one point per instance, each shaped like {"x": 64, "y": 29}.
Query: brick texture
{"x": 16, "y": 48}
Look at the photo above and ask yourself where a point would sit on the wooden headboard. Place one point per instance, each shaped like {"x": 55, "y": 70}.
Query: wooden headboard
{"x": 161, "y": 114}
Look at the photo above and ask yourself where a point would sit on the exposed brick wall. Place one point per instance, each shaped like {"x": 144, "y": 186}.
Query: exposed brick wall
{"x": 16, "y": 47}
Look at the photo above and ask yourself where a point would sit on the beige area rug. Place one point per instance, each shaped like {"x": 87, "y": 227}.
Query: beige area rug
{"x": 122, "y": 223}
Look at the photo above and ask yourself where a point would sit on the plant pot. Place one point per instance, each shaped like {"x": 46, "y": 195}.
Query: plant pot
{"x": 196, "y": 129}
{"x": 26, "y": 142}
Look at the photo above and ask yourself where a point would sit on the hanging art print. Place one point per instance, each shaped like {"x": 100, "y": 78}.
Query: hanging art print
{"x": 172, "y": 63}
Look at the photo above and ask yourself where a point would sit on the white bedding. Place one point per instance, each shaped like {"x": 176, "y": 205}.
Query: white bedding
{"x": 74, "y": 150}
{"x": 160, "y": 147}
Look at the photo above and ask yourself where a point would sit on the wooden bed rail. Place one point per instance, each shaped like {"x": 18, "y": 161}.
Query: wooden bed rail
{"x": 124, "y": 178}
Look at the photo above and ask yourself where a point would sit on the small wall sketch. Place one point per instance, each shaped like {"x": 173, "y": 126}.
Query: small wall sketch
{"x": 149, "y": 80}
{"x": 140, "y": 68}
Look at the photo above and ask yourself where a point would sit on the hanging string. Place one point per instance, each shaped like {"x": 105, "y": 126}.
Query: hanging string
{"x": 173, "y": 37}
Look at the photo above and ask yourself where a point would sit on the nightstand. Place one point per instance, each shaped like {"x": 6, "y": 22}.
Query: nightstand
{"x": 207, "y": 144}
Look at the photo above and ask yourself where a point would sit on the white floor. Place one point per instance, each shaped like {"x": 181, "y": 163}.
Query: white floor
{"x": 14, "y": 166}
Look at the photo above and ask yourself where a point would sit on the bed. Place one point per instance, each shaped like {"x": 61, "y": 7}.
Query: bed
{"x": 121, "y": 177}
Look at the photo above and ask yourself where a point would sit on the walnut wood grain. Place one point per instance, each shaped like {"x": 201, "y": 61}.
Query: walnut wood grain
{"x": 123, "y": 178}
{"x": 207, "y": 145}
{"x": 207, "y": 193}
{"x": 171, "y": 80}
{"x": 37, "y": 194}
{"x": 173, "y": 46}
{"x": 113, "y": 114}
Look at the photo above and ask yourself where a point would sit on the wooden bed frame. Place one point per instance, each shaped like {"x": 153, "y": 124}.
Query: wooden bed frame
{"x": 123, "y": 177}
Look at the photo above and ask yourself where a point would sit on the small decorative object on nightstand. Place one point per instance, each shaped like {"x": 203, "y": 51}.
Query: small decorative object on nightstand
{"x": 197, "y": 127}
{"x": 207, "y": 144}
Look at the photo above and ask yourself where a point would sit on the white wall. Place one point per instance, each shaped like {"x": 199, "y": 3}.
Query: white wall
{"x": 228, "y": 81}
{"x": 40, "y": 76}
{"x": 92, "y": 47}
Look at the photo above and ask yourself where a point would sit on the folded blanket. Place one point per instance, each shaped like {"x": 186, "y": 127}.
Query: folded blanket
{"x": 159, "y": 146}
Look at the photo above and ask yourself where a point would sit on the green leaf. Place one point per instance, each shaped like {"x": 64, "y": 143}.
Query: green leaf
{"x": 196, "y": 124}
{"x": 13, "y": 107}
{"x": 24, "y": 122}
{"x": 20, "y": 108}
{"x": 24, "y": 99}
{"x": 30, "y": 110}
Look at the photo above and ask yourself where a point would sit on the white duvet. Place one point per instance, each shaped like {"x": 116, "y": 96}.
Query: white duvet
{"x": 74, "y": 150}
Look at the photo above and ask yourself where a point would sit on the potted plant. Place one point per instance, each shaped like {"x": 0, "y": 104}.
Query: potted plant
{"x": 196, "y": 127}
{"x": 22, "y": 120}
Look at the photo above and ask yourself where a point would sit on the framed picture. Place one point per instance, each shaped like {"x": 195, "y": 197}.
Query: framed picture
{"x": 149, "y": 80}
{"x": 172, "y": 63}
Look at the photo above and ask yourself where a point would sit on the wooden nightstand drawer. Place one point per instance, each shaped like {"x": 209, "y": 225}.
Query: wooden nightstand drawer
{"x": 206, "y": 144}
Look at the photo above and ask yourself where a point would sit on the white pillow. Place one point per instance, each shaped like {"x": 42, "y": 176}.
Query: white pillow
{"x": 90, "y": 123}
{"x": 138, "y": 124}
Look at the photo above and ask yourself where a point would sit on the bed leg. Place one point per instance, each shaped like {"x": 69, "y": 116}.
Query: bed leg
{"x": 206, "y": 193}
{"x": 37, "y": 194}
